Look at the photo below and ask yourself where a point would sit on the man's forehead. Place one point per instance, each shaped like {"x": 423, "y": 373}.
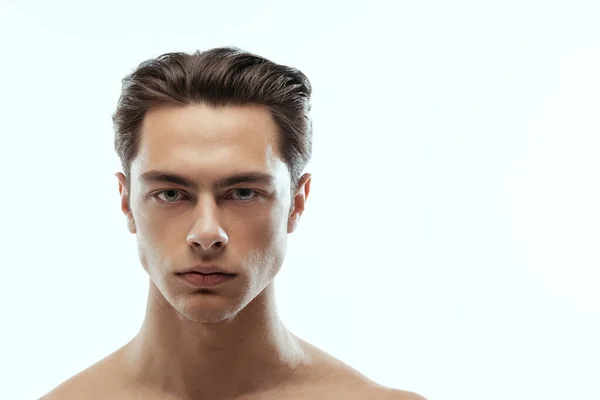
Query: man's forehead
{"x": 205, "y": 146}
{"x": 190, "y": 132}
{"x": 210, "y": 167}
{"x": 251, "y": 123}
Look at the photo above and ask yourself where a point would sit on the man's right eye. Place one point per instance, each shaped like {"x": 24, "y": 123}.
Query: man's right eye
{"x": 170, "y": 195}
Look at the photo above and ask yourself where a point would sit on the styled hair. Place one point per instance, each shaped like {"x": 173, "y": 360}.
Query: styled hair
{"x": 217, "y": 77}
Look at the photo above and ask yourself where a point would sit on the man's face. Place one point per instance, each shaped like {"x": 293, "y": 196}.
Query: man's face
{"x": 240, "y": 227}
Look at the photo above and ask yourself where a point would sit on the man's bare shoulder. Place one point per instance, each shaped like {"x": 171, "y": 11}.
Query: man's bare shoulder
{"x": 99, "y": 381}
{"x": 368, "y": 390}
{"x": 365, "y": 389}
{"x": 337, "y": 378}
{"x": 74, "y": 387}
{"x": 396, "y": 394}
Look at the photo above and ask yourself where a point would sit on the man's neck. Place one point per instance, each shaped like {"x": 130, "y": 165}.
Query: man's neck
{"x": 251, "y": 353}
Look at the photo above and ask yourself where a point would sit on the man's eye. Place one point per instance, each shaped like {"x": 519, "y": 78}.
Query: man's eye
{"x": 170, "y": 195}
{"x": 244, "y": 194}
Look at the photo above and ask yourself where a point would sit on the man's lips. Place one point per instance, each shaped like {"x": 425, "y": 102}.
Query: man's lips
{"x": 206, "y": 280}
{"x": 206, "y": 270}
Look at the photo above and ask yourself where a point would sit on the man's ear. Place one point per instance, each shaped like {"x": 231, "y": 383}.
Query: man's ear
{"x": 125, "y": 202}
{"x": 299, "y": 201}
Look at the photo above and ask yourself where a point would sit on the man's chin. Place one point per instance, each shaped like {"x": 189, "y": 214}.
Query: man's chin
{"x": 206, "y": 311}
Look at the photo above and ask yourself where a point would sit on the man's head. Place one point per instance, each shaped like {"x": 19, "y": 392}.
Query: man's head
{"x": 213, "y": 145}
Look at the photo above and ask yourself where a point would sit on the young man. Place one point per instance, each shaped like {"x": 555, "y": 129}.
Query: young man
{"x": 213, "y": 146}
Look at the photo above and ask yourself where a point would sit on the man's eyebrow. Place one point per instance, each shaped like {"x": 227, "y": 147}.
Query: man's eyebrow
{"x": 154, "y": 176}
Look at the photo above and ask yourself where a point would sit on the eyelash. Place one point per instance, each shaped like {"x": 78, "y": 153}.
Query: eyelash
{"x": 179, "y": 192}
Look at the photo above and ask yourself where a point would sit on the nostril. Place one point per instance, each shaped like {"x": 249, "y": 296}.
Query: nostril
{"x": 207, "y": 244}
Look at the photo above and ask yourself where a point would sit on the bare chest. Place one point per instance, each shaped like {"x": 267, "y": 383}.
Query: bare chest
{"x": 324, "y": 391}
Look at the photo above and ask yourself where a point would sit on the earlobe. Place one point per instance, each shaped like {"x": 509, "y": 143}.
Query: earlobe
{"x": 130, "y": 220}
{"x": 299, "y": 202}
{"x": 128, "y": 214}
{"x": 131, "y": 224}
{"x": 125, "y": 202}
{"x": 293, "y": 222}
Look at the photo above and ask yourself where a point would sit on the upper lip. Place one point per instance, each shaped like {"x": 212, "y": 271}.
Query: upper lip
{"x": 206, "y": 269}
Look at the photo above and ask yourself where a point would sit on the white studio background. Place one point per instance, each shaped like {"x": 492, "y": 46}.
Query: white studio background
{"x": 450, "y": 245}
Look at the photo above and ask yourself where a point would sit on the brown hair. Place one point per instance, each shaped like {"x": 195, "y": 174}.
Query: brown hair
{"x": 218, "y": 77}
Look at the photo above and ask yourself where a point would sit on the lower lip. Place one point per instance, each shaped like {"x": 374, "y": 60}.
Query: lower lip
{"x": 208, "y": 280}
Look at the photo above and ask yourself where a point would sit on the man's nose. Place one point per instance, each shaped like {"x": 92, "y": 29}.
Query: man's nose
{"x": 207, "y": 232}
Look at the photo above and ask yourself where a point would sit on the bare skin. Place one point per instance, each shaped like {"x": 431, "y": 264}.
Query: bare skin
{"x": 226, "y": 342}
